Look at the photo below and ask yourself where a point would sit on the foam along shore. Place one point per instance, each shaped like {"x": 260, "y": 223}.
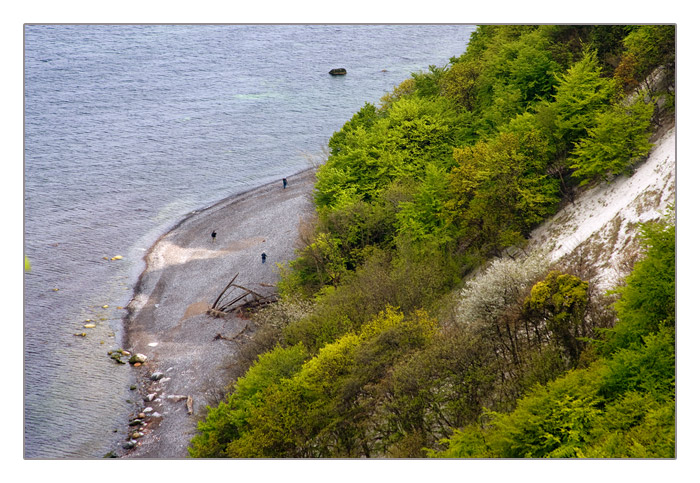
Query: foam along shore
{"x": 185, "y": 271}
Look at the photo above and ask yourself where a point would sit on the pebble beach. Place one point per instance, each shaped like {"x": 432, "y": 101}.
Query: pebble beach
{"x": 186, "y": 350}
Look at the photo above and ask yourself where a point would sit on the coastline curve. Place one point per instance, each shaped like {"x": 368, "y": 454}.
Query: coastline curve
{"x": 184, "y": 270}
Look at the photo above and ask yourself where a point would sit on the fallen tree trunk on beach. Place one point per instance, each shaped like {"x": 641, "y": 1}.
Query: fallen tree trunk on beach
{"x": 229, "y": 300}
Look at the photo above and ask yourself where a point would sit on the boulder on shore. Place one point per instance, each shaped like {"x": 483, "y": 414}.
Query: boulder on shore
{"x": 137, "y": 358}
{"x": 339, "y": 71}
{"x": 156, "y": 376}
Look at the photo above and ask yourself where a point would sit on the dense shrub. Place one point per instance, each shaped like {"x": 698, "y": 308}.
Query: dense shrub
{"x": 500, "y": 190}
{"x": 323, "y": 409}
{"x": 229, "y": 420}
{"x": 620, "y": 406}
{"x": 648, "y": 300}
{"x": 619, "y": 138}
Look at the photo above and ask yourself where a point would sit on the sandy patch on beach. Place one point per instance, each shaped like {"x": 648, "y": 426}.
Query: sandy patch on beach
{"x": 197, "y": 308}
{"x": 170, "y": 254}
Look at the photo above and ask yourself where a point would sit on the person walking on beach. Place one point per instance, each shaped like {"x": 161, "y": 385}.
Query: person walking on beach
{"x": 264, "y": 256}
{"x": 213, "y": 236}
{"x": 284, "y": 183}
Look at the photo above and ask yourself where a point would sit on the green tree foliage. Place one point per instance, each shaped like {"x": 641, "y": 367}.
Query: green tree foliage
{"x": 404, "y": 89}
{"x": 413, "y": 133}
{"x": 500, "y": 190}
{"x": 489, "y": 37}
{"x": 427, "y": 84}
{"x": 648, "y": 300}
{"x": 619, "y": 138}
{"x": 607, "y": 40}
{"x": 434, "y": 390}
{"x": 372, "y": 159}
{"x": 506, "y": 70}
{"x": 620, "y": 406}
{"x": 515, "y": 74}
{"x": 295, "y": 409}
{"x": 646, "y": 48}
{"x": 565, "y": 42}
{"x": 321, "y": 411}
{"x": 581, "y": 93}
{"x": 635, "y": 426}
{"x": 560, "y": 301}
{"x": 424, "y": 217}
{"x": 460, "y": 84}
{"x": 647, "y": 366}
{"x": 569, "y": 42}
{"x": 229, "y": 420}
{"x": 364, "y": 118}
{"x": 338, "y": 242}
{"x": 552, "y": 421}
{"x": 411, "y": 278}
{"x": 623, "y": 407}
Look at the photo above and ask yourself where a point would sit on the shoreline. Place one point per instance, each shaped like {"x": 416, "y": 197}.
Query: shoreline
{"x": 185, "y": 269}
{"x": 231, "y": 199}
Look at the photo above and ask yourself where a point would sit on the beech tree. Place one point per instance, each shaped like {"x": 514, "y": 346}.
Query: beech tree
{"x": 424, "y": 217}
{"x": 580, "y": 94}
{"x": 619, "y": 138}
{"x": 367, "y": 156}
{"x": 517, "y": 74}
{"x": 460, "y": 84}
{"x": 500, "y": 190}
{"x": 648, "y": 300}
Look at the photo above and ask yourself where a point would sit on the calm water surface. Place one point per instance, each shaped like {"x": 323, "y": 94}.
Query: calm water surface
{"x": 129, "y": 128}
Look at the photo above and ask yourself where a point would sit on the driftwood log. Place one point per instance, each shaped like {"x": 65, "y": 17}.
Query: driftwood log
{"x": 236, "y": 297}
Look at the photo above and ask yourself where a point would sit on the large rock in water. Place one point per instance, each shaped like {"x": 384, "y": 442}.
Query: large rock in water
{"x": 340, "y": 71}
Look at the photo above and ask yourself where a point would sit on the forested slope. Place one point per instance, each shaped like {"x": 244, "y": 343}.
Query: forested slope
{"x": 419, "y": 319}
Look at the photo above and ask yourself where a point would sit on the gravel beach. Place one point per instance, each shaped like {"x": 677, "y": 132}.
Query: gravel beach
{"x": 185, "y": 271}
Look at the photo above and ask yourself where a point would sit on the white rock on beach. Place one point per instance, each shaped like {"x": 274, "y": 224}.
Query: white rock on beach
{"x": 140, "y": 358}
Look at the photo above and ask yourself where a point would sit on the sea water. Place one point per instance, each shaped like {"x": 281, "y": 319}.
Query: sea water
{"x": 128, "y": 128}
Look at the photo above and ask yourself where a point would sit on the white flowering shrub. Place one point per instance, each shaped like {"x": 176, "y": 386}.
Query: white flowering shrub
{"x": 503, "y": 284}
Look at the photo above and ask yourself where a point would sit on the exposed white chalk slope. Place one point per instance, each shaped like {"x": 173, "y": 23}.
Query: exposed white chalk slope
{"x": 602, "y": 222}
